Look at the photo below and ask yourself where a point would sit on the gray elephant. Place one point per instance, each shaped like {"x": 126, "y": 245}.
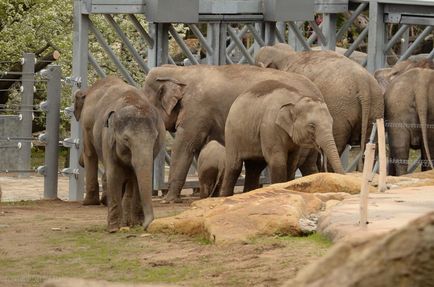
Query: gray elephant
{"x": 211, "y": 168}
{"x": 352, "y": 95}
{"x": 122, "y": 129}
{"x": 270, "y": 123}
{"x": 409, "y": 113}
{"x": 385, "y": 76}
{"x": 194, "y": 101}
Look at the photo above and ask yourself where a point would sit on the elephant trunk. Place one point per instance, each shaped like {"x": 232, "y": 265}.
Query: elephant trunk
{"x": 421, "y": 98}
{"x": 142, "y": 162}
{"x": 328, "y": 145}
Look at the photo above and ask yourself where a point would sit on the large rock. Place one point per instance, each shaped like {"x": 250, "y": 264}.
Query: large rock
{"x": 404, "y": 257}
{"x": 326, "y": 183}
{"x": 265, "y": 211}
{"x": 285, "y": 208}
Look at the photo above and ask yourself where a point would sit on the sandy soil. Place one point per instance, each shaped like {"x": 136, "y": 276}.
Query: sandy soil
{"x": 49, "y": 239}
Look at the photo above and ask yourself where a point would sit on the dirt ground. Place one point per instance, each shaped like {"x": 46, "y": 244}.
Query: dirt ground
{"x": 48, "y": 239}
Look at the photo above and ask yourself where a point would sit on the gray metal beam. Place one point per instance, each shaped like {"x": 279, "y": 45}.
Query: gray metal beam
{"x": 54, "y": 88}
{"x": 139, "y": 60}
{"x": 28, "y": 78}
{"x": 298, "y": 35}
{"x": 79, "y": 70}
{"x": 182, "y": 45}
{"x": 416, "y": 43}
{"x": 240, "y": 45}
{"x": 96, "y": 66}
{"x": 377, "y": 37}
{"x": 157, "y": 56}
{"x": 329, "y": 30}
{"x": 100, "y": 38}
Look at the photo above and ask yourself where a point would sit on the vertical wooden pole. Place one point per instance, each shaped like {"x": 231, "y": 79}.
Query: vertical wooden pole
{"x": 382, "y": 155}
{"x": 364, "y": 192}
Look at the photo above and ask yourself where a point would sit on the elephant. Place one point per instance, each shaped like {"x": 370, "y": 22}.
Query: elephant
{"x": 270, "y": 123}
{"x": 194, "y": 102}
{"x": 211, "y": 168}
{"x": 386, "y": 75}
{"x": 124, "y": 131}
{"x": 352, "y": 95}
{"x": 409, "y": 115}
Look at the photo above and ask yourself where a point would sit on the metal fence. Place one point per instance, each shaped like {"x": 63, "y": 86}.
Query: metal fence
{"x": 231, "y": 32}
{"x": 16, "y": 125}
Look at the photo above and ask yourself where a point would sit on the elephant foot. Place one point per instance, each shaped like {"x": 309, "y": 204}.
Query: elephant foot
{"x": 168, "y": 200}
{"x": 146, "y": 223}
{"x": 112, "y": 228}
{"x": 104, "y": 199}
{"x": 91, "y": 200}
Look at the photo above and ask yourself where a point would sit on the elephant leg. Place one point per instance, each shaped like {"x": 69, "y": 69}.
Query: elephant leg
{"x": 137, "y": 215}
{"x": 253, "y": 174}
{"x": 399, "y": 144}
{"x": 115, "y": 186}
{"x": 204, "y": 190}
{"x": 182, "y": 157}
{"x": 278, "y": 167}
{"x": 293, "y": 159}
{"x": 310, "y": 165}
{"x": 104, "y": 189}
{"x": 91, "y": 164}
{"x": 232, "y": 172}
{"x": 127, "y": 200}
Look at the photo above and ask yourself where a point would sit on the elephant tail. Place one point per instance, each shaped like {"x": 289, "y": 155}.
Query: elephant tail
{"x": 365, "y": 102}
{"x": 215, "y": 191}
{"x": 421, "y": 94}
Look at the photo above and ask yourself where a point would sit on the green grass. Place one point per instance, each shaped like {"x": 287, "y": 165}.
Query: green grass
{"x": 315, "y": 238}
{"x": 91, "y": 252}
{"x": 38, "y": 157}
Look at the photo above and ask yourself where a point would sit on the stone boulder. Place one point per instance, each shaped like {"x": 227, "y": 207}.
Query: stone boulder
{"x": 265, "y": 211}
{"x": 404, "y": 257}
{"x": 284, "y": 208}
{"x": 326, "y": 183}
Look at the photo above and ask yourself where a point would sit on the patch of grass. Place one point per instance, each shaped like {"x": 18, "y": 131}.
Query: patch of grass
{"x": 315, "y": 238}
{"x": 112, "y": 254}
{"x": 203, "y": 240}
{"x": 22, "y": 203}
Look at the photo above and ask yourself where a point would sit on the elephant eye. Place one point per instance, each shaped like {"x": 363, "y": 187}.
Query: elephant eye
{"x": 312, "y": 125}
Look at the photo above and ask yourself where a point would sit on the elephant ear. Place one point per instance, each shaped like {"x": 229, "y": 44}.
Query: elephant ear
{"x": 383, "y": 78}
{"x": 170, "y": 93}
{"x": 79, "y": 98}
{"x": 108, "y": 123}
{"x": 285, "y": 118}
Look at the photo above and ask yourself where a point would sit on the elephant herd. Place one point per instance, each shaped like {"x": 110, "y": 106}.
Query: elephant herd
{"x": 284, "y": 113}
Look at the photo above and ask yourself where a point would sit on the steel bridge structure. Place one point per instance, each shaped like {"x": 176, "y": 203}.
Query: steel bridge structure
{"x": 221, "y": 27}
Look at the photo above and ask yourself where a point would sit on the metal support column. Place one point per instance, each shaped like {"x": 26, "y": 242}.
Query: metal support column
{"x": 79, "y": 71}
{"x": 28, "y": 78}
{"x": 53, "y": 74}
{"x": 216, "y": 36}
{"x": 270, "y": 33}
{"x": 293, "y": 40}
{"x": 329, "y": 30}
{"x": 377, "y": 37}
{"x": 157, "y": 56}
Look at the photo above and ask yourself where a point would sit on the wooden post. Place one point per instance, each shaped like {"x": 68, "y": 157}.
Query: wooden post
{"x": 364, "y": 192}
{"x": 382, "y": 155}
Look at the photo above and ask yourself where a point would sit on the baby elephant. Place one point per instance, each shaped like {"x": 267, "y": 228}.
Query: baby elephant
{"x": 122, "y": 129}
{"x": 211, "y": 168}
{"x": 268, "y": 124}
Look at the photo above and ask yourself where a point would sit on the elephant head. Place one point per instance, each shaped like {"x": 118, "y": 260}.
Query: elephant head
{"x": 79, "y": 98}
{"x": 385, "y": 76}
{"x": 134, "y": 134}
{"x": 309, "y": 123}
{"x": 166, "y": 94}
{"x": 275, "y": 57}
